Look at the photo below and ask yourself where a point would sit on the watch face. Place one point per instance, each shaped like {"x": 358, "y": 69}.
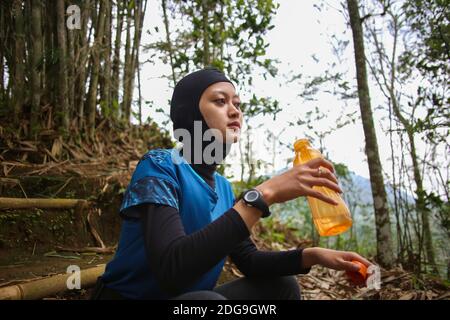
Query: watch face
{"x": 251, "y": 196}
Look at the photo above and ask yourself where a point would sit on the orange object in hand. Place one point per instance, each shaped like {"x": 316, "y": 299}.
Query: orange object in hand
{"x": 358, "y": 277}
{"x": 329, "y": 220}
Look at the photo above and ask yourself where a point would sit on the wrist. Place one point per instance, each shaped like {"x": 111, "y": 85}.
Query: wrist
{"x": 267, "y": 194}
{"x": 248, "y": 214}
{"x": 309, "y": 257}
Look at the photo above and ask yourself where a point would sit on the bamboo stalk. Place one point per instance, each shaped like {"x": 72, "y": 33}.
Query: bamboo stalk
{"x": 101, "y": 250}
{"x": 49, "y": 286}
{"x": 21, "y": 203}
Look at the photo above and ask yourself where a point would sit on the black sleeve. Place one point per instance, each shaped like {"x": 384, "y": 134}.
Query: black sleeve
{"x": 255, "y": 263}
{"x": 177, "y": 259}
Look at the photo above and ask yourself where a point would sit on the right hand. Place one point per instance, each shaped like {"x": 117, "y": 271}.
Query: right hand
{"x": 299, "y": 181}
{"x": 333, "y": 259}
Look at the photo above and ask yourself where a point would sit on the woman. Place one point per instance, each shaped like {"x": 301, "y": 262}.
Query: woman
{"x": 180, "y": 218}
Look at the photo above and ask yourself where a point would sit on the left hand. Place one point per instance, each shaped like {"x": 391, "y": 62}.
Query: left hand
{"x": 333, "y": 259}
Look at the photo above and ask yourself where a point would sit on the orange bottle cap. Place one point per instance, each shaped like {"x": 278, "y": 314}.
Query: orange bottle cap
{"x": 358, "y": 277}
{"x": 300, "y": 143}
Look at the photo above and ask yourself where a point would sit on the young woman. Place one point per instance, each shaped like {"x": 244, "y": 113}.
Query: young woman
{"x": 181, "y": 220}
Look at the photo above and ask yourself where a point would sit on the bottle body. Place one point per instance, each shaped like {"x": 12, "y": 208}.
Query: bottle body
{"x": 330, "y": 220}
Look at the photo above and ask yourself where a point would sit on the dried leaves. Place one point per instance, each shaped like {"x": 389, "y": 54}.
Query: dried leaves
{"x": 327, "y": 284}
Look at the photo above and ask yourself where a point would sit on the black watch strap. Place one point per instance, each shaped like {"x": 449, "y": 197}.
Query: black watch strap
{"x": 254, "y": 198}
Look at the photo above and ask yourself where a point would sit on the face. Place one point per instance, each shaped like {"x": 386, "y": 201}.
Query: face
{"x": 220, "y": 107}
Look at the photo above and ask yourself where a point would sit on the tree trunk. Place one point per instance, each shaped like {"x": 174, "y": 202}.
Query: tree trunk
{"x": 2, "y": 54}
{"x": 116, "y": 62}
{"x": 448, "y": 269}
{"x": 106, "y": 74}
{"x": 221, "y": 28}
{"x": 8, "y": 55}
{"x": 400, "y": 246}
{"x": 421, "y": 205}
{"x": 71, "y": 71}
{"x": 138, "y": 18}
{"x": 131, "y": 69}
{"x": 139, "y": 91}
{"x": 82, "y": 61}
{"x": 137, "y": 42}
{"x": 383, "y": 226}
{"x": 95, "y": 67}
{"x": 50, "y": 76}
{"x": 206, "y": 55}
{"x": 127, "y": 70}
{"x": 36, "y": 59}
{"x": 169, "y": 42}
{"x": 19, "y": 61}
{"x": 63, "y": 101}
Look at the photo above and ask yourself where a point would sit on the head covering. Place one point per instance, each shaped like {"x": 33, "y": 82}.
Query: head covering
{"x": 185, "y": 108}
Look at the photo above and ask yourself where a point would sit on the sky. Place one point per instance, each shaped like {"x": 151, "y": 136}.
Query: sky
{"x": 300, "y": 40}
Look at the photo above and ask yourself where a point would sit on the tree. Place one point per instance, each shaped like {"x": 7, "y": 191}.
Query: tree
{"x": 63, "y": 101}
{"x": 382, "y": 220}
{"x": 106, "y": 104}
{"x": 55, "y": 79}
{"x": 135, "y": 14}
{"x": 91, "y": 101}
{"x": 416, "y": 41}
{"x": 19, "y": 61}
{"x": 82, "y": 60}
{"x": 116, "y": 62}
{"x": 36, "y": 60}
{"x": 226, "y": 34}
{"x": 169, "y": 41}
{"x": 387, "y": 80}
{"x": 2, "y": 56}
{"x": 428, "y": 53}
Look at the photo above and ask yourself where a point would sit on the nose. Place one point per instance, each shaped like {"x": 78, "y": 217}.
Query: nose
{"x": 233, "y": 112}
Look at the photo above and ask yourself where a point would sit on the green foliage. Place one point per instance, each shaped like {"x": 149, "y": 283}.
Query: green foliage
{"x": 271, "y": 233}
{"x": 427, "y": 54}
{"x": 295, "y": 214}
{"x": 441, "y": 208}
{"x": 228, "y": 35}
{"x": 240, "y": 186}
{"x": 260, "y": 105}
{"x": 342, "y": 171}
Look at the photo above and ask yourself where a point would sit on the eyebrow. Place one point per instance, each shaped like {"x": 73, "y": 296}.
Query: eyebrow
{"x": 226, "y": 94}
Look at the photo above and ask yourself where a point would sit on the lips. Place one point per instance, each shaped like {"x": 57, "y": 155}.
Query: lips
{"x": 234, "y": 124}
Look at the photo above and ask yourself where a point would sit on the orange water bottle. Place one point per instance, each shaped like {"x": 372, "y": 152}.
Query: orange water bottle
{"x": 330, "y": 220}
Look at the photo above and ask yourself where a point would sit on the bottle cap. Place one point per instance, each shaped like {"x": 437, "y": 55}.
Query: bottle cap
{"x": 358, "y": 277}
{"x": 301, "y": 143}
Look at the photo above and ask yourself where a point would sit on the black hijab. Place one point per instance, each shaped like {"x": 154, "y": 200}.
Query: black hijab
{"x": 185, "y": 109}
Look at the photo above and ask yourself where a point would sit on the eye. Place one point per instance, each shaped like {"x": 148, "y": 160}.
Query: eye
{"x": 220, "y": 101}
{"x": 237, "y": 105}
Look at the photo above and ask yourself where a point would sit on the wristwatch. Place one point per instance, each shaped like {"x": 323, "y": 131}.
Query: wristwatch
{"x": 254, "y": 198}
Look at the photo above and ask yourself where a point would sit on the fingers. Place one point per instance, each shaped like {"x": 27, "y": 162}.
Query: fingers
{"x": 324, "y": 173}
{"x": 354, "y": 256}
{"x": 319, "y": 195}
{"x": 349, "y": 266}
{"x": 325, "y": 179}
{"x": 322, "y": 182}
{"x": 320, "y": 162}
